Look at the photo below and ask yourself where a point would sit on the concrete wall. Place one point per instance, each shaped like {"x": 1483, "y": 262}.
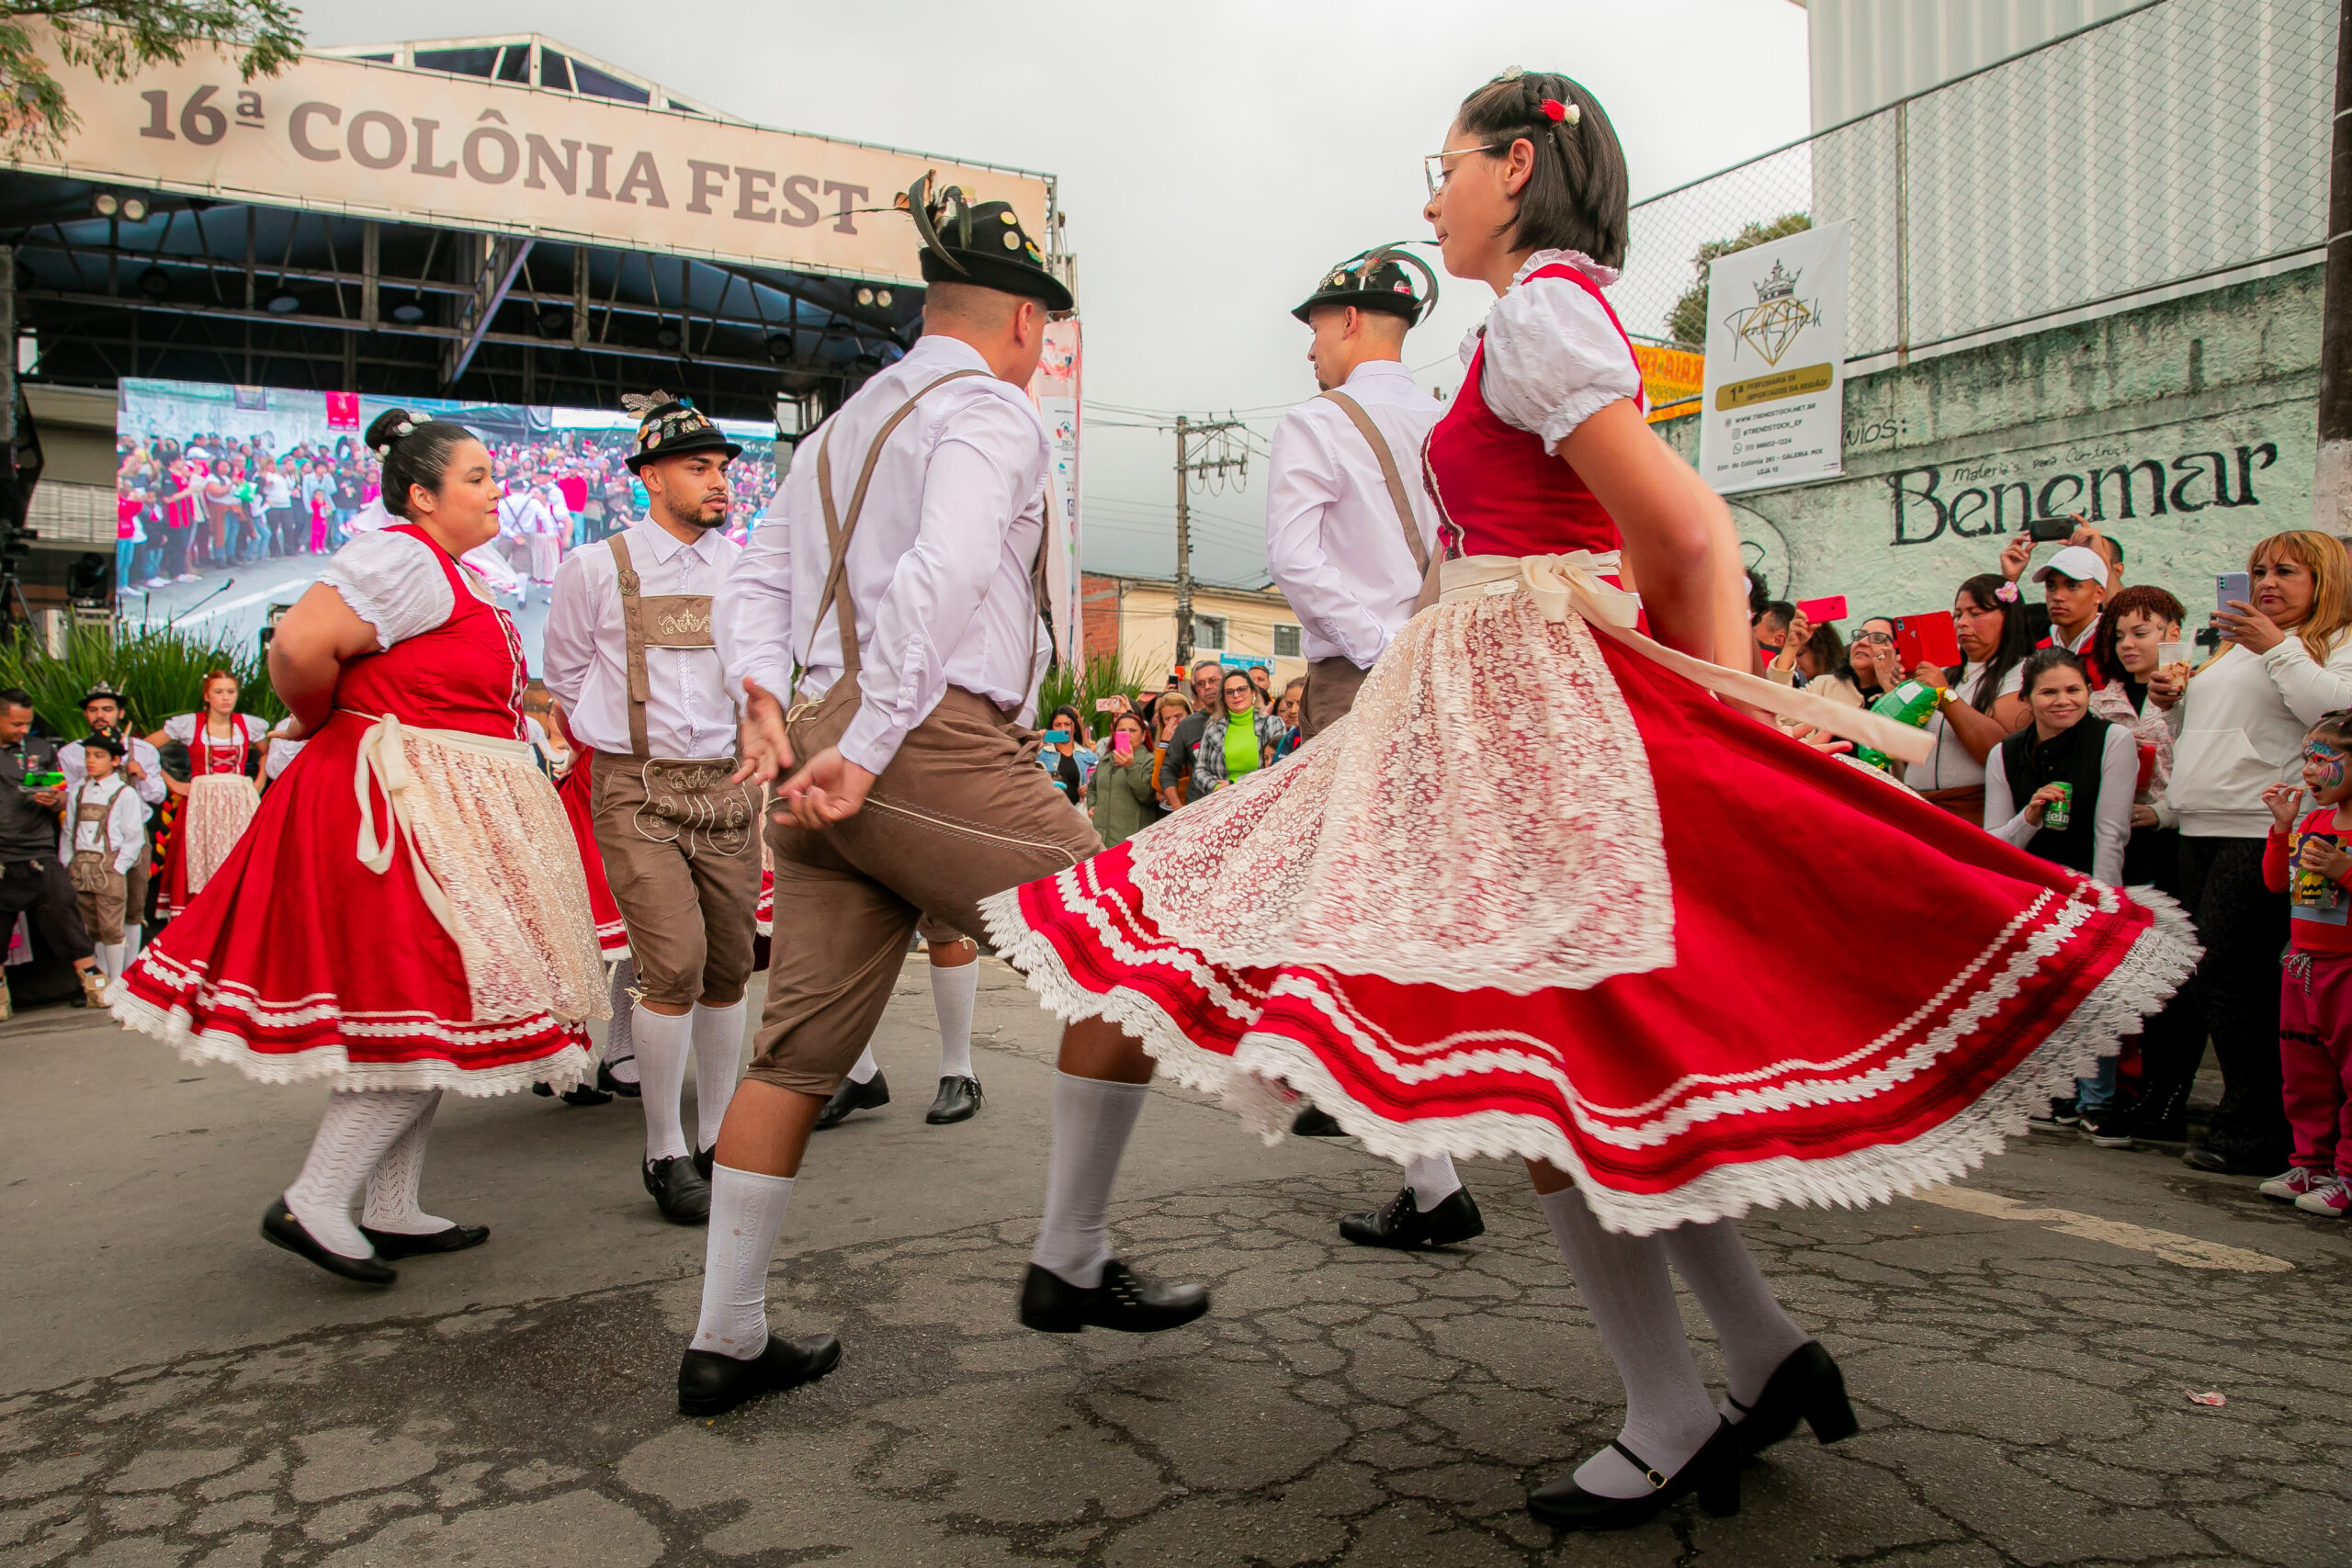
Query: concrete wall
{"x": 2186, "y": 429}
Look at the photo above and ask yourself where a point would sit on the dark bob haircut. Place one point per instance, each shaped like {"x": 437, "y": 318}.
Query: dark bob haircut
{"x": 1575, "y": 199}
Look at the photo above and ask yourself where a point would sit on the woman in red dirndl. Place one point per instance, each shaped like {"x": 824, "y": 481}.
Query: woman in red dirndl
{"x": 616, "y": 1070}
{"x": 404, "y": 915}
{"x": 1519, "y": 902}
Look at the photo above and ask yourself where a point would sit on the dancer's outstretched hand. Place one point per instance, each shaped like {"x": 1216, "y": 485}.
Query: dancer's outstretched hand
{"x": 766, "y": 753}
{"x": 831, "y": 789}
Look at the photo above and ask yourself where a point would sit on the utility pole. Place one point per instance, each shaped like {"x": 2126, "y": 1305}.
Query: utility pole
{"x": 1231, "y": 456}
{"x": 2331, "y": 481}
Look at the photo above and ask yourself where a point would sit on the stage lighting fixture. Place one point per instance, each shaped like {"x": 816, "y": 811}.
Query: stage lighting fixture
{"x": 408, "y": 315}
{"x": 781, "y": 347}
{"x": 154, "y": 283}
{"x": 134, "y": 209}
{"x": 667, "y": 337}
{"x": 865, "y": 297}
{"x": 104, "y": 205}
{"x": 282, "y": 303}
{"x": 881, "y": 297}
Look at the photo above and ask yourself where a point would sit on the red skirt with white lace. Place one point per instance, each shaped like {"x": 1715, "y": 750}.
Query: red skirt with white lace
{"x": 577, "y": 790}
{"x": 1538, "y": 895}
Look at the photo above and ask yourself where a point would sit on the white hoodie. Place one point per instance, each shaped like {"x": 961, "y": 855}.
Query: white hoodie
{"x": 2241, "y": 731}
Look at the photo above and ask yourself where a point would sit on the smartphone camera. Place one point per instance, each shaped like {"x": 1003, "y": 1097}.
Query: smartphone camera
{"x": 2208, "y": 636}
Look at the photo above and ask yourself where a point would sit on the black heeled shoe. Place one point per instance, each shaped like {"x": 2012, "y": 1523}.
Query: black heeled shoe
{"x": 1712, "y": 1472}
{"x": 280, "y": 1228}
{"x": 958, "y": 1100}
{"x": 1806, "y": 1387}
{"x": 389, "y": 1244}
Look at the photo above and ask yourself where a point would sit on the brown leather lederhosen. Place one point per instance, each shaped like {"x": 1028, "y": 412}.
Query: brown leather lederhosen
{"x": 100, "y": 888}
{"x": 676, "y": 835}
{"x": 962, "y": 811}
{"x": 1332, "y": 684}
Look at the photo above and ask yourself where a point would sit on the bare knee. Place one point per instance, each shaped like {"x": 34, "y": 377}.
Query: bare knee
{"x": 1097, "y": 1048}
{"x": 1548, "y": 1177}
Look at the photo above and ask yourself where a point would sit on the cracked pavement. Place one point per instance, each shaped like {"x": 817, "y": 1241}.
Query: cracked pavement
{"x": 173, "y": 1392}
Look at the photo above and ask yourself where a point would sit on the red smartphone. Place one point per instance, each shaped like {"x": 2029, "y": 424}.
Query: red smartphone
{"x": 1821, "y": 612}
{"x": 1927, "y": 639}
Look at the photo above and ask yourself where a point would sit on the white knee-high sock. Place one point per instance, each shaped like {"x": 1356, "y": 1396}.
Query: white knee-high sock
{"x": 1756, "y": 1334}
{"x": 661, "y": 1046}
{"x": 110, "y": 960}
{"x": 953, "y": 992}
{"x": 1625, "y": 1286}
{"x": 352, "y": 1137}
{"x": 130, "y": 941}
{"x": 864, "y": 1068}
{"x": 1091, "y": 1120}
{"x": 1432, "y": 1180}
{"x": 392, "y": 1185}
{"x": 620, "y": 1041}
{"x": 719, "y": 1061}
{"x": 746, "y": 1213}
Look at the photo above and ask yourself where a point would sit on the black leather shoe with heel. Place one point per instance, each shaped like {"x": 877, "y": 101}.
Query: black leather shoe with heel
{"x": 679, "y": 1189}
{"x": 1806, "y": 1387}
{"x": 871, "y": 1095}
{"x": 1712, "y": 1472}
{"x": 1124, "y": 1300}
{"x": 711, "y": 1384}
{"x": 280, "y": 1228}
{"x": 389, "y": 1244}
{"x": 1399, "y": 1223}
{"x": 958, "y": 1100}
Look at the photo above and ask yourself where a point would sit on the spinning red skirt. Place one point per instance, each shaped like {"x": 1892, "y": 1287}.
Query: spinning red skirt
{"x": 577, "y": 789}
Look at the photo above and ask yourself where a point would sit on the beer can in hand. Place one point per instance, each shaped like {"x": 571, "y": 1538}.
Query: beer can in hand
{"x": 2060, "y": 811}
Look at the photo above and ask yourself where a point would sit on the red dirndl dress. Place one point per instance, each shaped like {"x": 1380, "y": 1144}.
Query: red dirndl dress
{"x": 297, "y": 960}
{"x": 206, "y": 758}
{"x": 578, "y": 791}
{"x": 1524, "y": 900}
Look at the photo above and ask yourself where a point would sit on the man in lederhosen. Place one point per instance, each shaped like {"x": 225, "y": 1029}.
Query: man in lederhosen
{"x": 901, "y": 570}
{"x": 628, "y": 653}
{"x": 1350, "y": 537}
{"x": 106, "y": 711}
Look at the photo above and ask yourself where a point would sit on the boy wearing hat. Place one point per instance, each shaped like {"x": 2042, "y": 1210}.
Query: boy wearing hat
{"x": 106, "y": 712}
{"x": 884, "y": 628}
{"x": 1349, "y": 541}
{"x": 104, "y": 834}
{"x": 628, "y": 653}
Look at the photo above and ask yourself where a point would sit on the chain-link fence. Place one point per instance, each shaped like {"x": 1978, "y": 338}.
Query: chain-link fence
{"x": 2178, "y": 143}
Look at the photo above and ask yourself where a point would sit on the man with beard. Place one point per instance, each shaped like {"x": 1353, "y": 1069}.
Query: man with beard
{"x": 628, "y": 653}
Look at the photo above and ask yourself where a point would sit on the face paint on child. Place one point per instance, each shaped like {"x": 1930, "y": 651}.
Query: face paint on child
{"x": 2324, "y": 770}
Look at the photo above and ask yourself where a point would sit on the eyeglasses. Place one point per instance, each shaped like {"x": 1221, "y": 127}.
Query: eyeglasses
{"x": 1886, "y": 638}
{"x": 1435, "y": 170}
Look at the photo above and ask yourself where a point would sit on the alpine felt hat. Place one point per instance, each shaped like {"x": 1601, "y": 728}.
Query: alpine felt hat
{"x": 668, "y": 427}
{"x": 981, "y": 244}
{"x": 1376, "y": 279}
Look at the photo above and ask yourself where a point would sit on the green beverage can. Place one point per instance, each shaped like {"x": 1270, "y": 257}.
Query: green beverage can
{"x": 2060, "y": 811}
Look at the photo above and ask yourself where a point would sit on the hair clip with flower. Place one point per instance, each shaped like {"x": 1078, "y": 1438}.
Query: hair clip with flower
{"x": 2007, "y": 593}
{"x": 1559, "y": 113}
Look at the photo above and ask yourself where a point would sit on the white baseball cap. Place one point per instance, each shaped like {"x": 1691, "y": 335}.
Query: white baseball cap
{"x": 2080, "y": 562}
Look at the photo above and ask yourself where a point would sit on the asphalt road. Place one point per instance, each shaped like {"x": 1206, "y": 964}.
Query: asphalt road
{"x": 172, "y": 1391}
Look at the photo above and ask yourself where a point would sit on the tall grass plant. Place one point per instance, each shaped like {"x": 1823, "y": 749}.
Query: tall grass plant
{"x": 160, "y": 669}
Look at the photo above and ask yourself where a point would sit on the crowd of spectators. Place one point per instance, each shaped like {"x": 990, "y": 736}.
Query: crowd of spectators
{"x": 2083, "y": 729}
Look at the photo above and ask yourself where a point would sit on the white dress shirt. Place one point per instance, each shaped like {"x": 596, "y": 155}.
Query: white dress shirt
{"x": 939, "y": 569}
{"x": 584, "y": 659}
{"x": 125, "y": 824}
{"x": 150, "y": 784}
{"x": 2118, "y": 776}
{"x": 520, "y": 514}
{"x": 1333, "y": 541}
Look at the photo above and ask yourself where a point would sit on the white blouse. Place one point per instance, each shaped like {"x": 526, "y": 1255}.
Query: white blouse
{"x": 182, "y": 729}
{"x": 1553, "y": 358}
{"x": 1950, "y": 766}
{"x": 394, "y": 582}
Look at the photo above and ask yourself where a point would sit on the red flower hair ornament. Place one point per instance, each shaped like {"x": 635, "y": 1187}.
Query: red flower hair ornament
{"x": 1560, "y": 113}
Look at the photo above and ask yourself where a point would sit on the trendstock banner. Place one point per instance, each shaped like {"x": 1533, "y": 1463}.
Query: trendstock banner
{"x": 378, "y": 141}
{"x": 1774, "y": 403}
{"x": 1054, "y": 388}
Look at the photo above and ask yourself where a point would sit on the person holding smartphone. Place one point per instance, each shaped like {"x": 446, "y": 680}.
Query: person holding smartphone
{"x": 1815, "y": 657}
{"x": 1982, "y": 702}
{"x": 1870, "y": 662}
{"x": 1120, "y": 794}
{"x": 1067, "y": 753}
{"x": 2238, "y": 728}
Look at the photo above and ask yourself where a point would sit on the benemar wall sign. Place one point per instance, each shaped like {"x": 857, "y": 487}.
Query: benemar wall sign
{"x": 381, "y": 140}
{"x": 1772, "y": 411}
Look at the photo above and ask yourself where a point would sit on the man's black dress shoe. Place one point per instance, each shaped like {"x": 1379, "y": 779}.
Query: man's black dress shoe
{"x": 1806, "y": 1387}
{"x": 400, "y": 1243}
{"x": 679, "y": 1190}
{"x": 706, "y": 1161}
{"x": 611, "y": 1085}
{"x": 871, "y": 1095}
{"x": 280, "y": 1228}
{"x": 958, "y": 1100}
{"x": 711, "y": 1384}
{"x": 1712, "y": 1472}
{"x": 1399, "y": 1223}
{"x": 1124, "y": 1300}
{"x": 2223, "y": 1162}
{"x": 1314, "y": 1124}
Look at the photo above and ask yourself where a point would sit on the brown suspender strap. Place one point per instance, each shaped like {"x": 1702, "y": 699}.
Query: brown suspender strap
{"x": 1371, "y": 433}
{"x": 838, "y": 530}
{"x": 633, "y": 635}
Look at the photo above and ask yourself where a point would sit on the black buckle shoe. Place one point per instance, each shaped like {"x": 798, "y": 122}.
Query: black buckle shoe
{"x": 401, "y": 1244}
{"x": 1400, "y": 1224}
{"x": 280, "y": 1228}
{"x": 1806, "y": 1387}
{"x": 712, "y": 1384}
{"x": 611, "y": 1085}
{"x": 958, "y": 1100}
{"x": 1124, "y": 1300}
{"x": 679, "y": 1189}
{"x": 871, "y": 1095}
{"x": 1314, "y": 1124}
{"x": 1712, "y": 1472}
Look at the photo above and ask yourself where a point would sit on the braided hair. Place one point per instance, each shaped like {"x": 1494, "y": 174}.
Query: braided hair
{"x": 1575, "y": 199}
{"x": 415, "y": 451}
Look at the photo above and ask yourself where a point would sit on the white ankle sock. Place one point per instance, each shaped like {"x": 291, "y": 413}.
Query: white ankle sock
{"x": 392, "y": 1185}
{"x": 661, "y": 1046}
{"x": 1091, "y": 1120}
{"x": 1432, "y": 1180}
{"x": 953, "y": 992}
{"x": 352, "y": 1137}
{"x": 746, "y": 1213}
{"x": 1626, "y": 1287}
{"x": 864, "y": 1069}
{"x": 1755, "y": 1333}
{"x": 620, "y": 1040}
{"x": 719, "y": 1062}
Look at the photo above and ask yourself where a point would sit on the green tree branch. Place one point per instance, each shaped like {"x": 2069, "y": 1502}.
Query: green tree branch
{"x": 117, "y": 38}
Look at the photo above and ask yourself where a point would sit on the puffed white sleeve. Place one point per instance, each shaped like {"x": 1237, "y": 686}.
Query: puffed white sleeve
{"x": 180, "y": 727}
{"x": 394, "y": 582}
{"x": 1554, "y": 359}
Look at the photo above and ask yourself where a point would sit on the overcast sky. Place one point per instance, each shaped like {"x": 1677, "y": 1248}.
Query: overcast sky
{"x": 1214, "y": 158}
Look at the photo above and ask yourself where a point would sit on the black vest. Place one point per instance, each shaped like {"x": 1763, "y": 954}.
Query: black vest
{"x": 2072, "y": 757}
